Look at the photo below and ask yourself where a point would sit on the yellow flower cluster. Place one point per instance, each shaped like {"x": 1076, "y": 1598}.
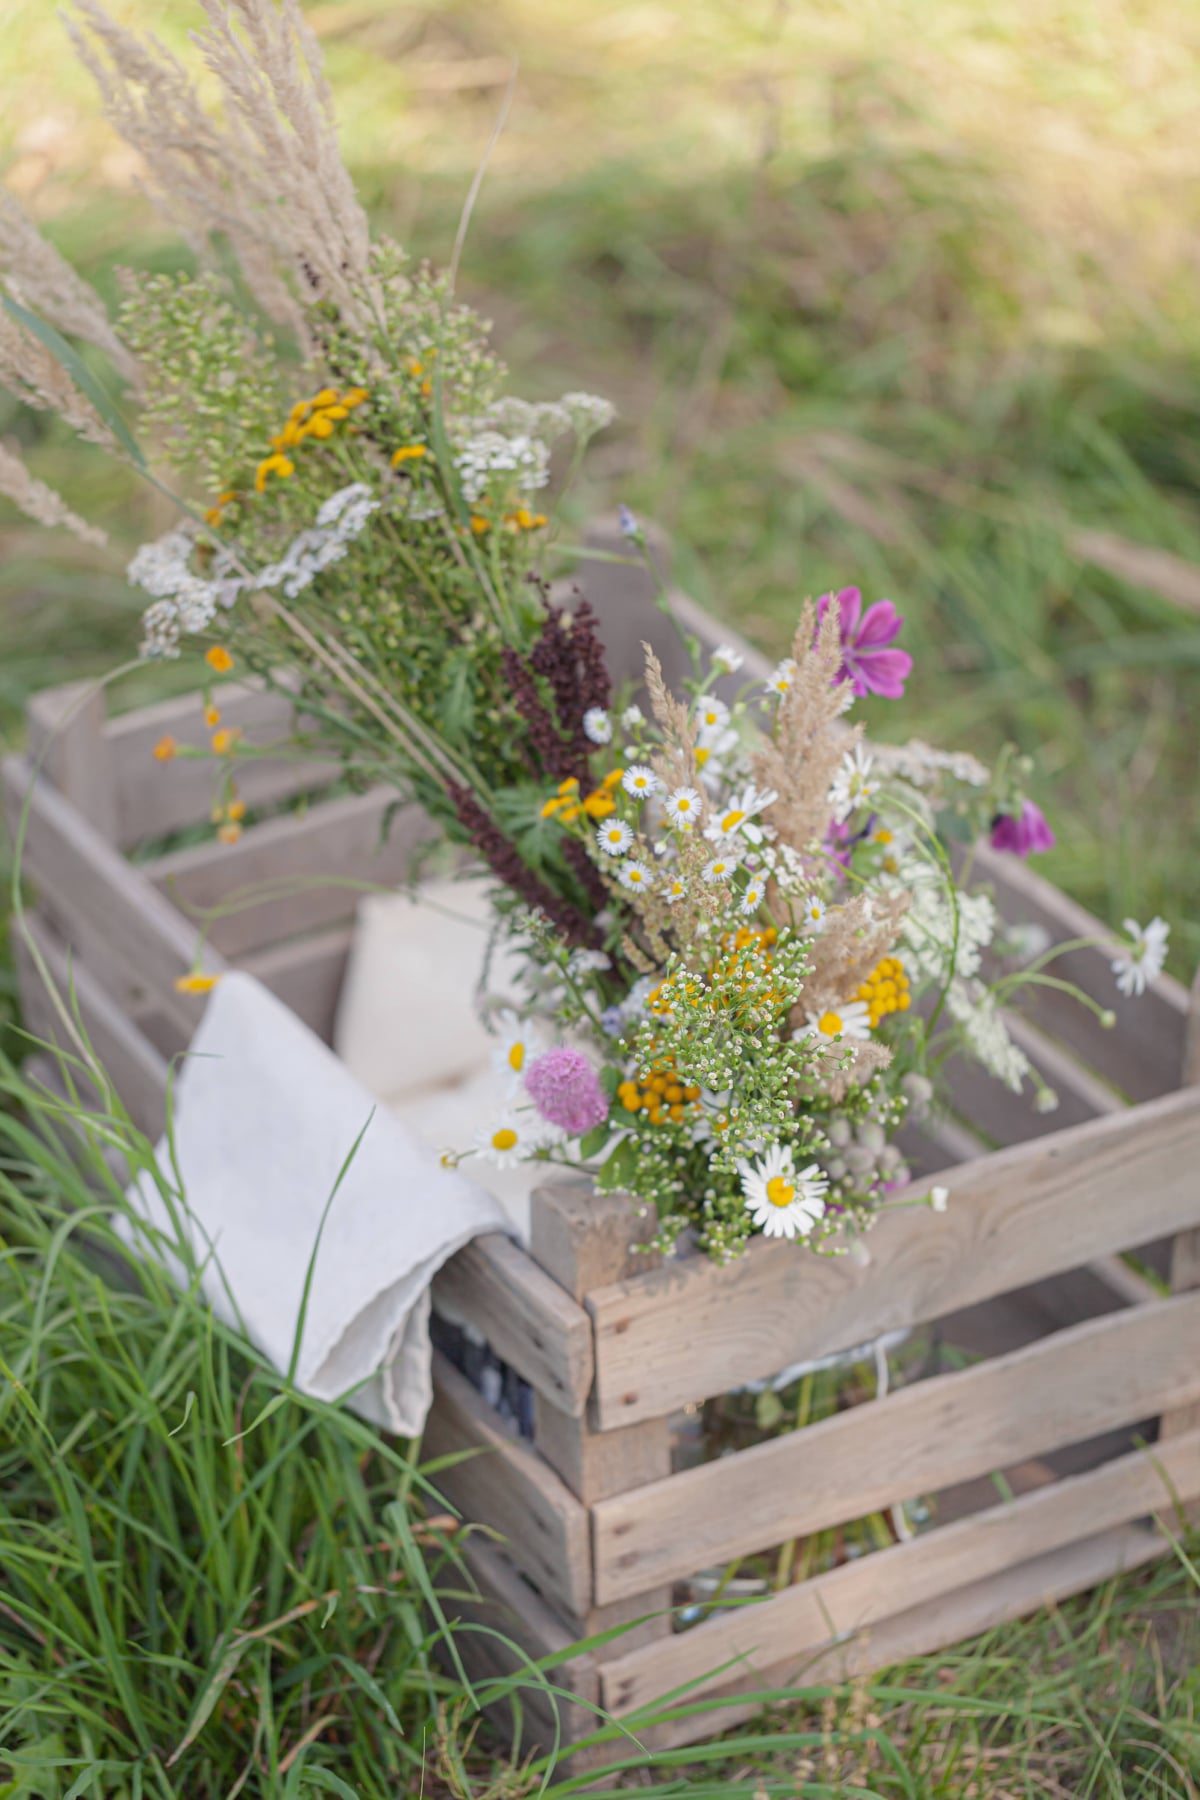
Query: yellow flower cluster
{"x": 315, "y": 418}
{"x": 885, "y": 990}
{"x": 661, "y": 1097}
{"x": 566, "y": 806}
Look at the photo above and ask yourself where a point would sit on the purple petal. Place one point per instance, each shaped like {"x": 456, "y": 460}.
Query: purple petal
{"x": 880, "y": 672}
{"x": 881, "y": 624}
{"x": 849, "y": 605}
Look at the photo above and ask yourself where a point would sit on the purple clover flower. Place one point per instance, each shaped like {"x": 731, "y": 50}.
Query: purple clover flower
{"x": 1023, "y": 833}
{"x": 866, "y": 659}
{"x": 564, "y": 1087}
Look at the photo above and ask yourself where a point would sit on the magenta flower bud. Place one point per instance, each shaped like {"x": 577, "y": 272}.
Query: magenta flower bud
{"x": 1022, "y": 833}
{"x": 563, "y": 1086}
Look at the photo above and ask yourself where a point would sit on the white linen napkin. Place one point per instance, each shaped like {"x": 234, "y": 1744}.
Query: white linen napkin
{"x": 265, "y": 1119}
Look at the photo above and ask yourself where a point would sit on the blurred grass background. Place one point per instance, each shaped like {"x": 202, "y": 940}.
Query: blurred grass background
{"x": 897, "y": 294}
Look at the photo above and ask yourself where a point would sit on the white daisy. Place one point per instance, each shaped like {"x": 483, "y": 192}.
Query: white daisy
{"x": 712, "y": 717}
{"x": 783, "y": 1201}
{"x": 639, "y": 781}
{"x": 614, "y": 837}
{"x": 752, "y": 897}
{"x": 674, "y": 890}
{"x": 632, "y": 717}
{"x": 510, "y": 1139}
{"x": 597, "y": 725}
{"x": 712, "y": 757}
{"x": 726, "y": 659}
{"x": 813, "y": 913}
{"x": 720, "y": 868}
{"x": 1143, "y": 958}
{"x": 780, "y": 680}
{"x": 684, "y": 806}
{"x": 852, "y": 1019}
{"x": 636, "y": 875}
{"x": 738, "y": 816}
{"x": 519, "y": 1041}
{"x": 852, "y": 785}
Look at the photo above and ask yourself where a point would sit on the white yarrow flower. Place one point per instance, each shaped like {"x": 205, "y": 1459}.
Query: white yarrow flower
{"x": 683, "y": 806}
{"x": 1143, "y": 958}
{"x": 852, "y": 785}
{"x": 597, "y": 725}
{"x": 783, "y": 1201}
{"x": 639, "y": 781}
{"x": 614, "y": 837}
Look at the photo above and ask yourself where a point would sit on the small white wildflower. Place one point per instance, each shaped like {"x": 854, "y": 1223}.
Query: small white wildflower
{"x": 519, "y": 1040}
{"x": 634, "y": 875}
{"x": 720, "y": 868}
{"x": 588, "y": 413}
{"x": 639, "y": 781}
{"x": 683, "y": 806}
{"x": 852, "y": 785}
{"x": 632, "y": 717}
{"x": 588, "y": 962}
{"x": 783, "y": 1201}
{"x": 939, "y": 1199}
{"x": 780, "y": 680}
{"x": 814, "y": 913}
{"x": 1143, "y": 958}
{"x": 674, "y": 890}
{"x": 711, "y": 716}
{"x": 738, "y": 817}
{"x": 614, "y": 837}
{"x": 752, "y": 897}
{"x": 510, "y": 1139}
{"x": 852, "y": 1019}
{"x": 1045, "y": 1100}
{"x": 597, "y": 725}
{"x": 726, "y": 660}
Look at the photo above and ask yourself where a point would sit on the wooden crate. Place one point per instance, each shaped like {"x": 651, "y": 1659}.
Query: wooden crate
{"x": 1081, "y": 1356}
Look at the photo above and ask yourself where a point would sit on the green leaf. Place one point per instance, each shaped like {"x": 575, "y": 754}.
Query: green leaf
{"x": 768, "y": 1410}
{"x": 592, "y": 1144}
{"x": 79, "y": 372}
{"x": 619, "y": 1169}
{"x": 273, "y": 1405}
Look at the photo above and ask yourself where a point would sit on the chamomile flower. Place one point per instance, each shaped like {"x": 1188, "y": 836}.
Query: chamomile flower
{"x": 518, "y": 1042}
{"x": 752, "y": 897}
{"x": 712, "y": 717}
{"x": 779, "y": 681}
{"x": 720, "y": 868}
{"x": 639, "y": 781}
{"x": 597, "y": 725}
{"x": 852, "y": 785}
{"x": 814, "y": 912}
{"x": 614, "y": 837}
{"x": 635, "y": 875}
{"x": 683, "y": 806}
{"x": 850, "y": 1019}
{"x": 739, "y": 816}
{"x": 675, "y": 889}
{"x": 782, "y": 1200}
{"x": 511, "y": 1139}
{"x": 726, "y": 660}
{"x": 1143, "y": 957}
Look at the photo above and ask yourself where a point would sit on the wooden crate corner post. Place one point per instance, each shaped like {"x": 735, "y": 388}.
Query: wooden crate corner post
{"x": 1185, "y": 1250}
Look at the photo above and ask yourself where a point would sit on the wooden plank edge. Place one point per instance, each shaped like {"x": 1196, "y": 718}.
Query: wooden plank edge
{"x": 831, "y": 1608}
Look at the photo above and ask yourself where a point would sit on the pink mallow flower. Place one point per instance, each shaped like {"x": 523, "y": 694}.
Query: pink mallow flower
{"x": 563, "y": 1086}
{"x": 866, "y": 659}
{"x": 1023, "y": 833}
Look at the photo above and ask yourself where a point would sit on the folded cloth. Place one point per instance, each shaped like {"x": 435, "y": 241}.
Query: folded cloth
{"x": 265, "y": 1121}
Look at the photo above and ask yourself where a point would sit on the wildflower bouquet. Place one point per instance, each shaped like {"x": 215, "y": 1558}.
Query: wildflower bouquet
{"x": 745, "y": 952}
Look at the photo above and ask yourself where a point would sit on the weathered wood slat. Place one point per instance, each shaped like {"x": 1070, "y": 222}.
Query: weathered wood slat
{"x": 306, "y": 974}
{"x": 156, "y": 798}
{"x": 962, "y": 1614}
{"x": 527, "y": 1319}
{"x": 82, "y": 877}
{"x": 66, "y": 729}
{"x": 508, "y": 1488}
{"x": 1060, "y": 1390}
{"x": 831, "y": 1607}
{"x": 1185, "y": 1251}
{"x": 1142, "y": 1055}
{"x": 692, "y": 1329}
{"x": 296, "y": 873}
{"x": 1008, "y": 1118}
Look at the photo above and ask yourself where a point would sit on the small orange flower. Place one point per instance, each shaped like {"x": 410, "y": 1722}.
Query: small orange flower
{"x": 355, "y": 396}
{"x": 426, "y": 389}
{"x": 212, "y": 717}
{"x": 196, "y": 983}
{"x": 408, "y": 453}
{"x": 230, "y": 832}
{"x": 612, "y": 778}
{"x": 326, "y": 397}
{"x": 165, "y": 749}
{"x": 599, "y": 804}
{"x": 479, "y": 525}
{"x": 223, "y": 741}
{"x": 236, "y": 810}
{"x": 218, "y": 658}
{"x": 278, "y": 464}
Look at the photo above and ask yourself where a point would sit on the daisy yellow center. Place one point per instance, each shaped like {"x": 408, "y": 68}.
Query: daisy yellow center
{"x": 683, "y": 804}
{"x": 504, "y": 1139}
{"x": 516, "y": 1058}
{"x": 830, "y": 1023}
{"x": 780, "y": 1192}
{"x": 615, "y": 835}
{"x": 782, "y": 685}
{"x": 635, "y": 874}
{"x": 732, "y": 820}
{"x": 639, "y": 781}
{"x": 702, "y": 756}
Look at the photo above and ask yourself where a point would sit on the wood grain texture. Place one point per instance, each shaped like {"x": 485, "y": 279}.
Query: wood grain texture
{"x": 66, "y": 733}
{"x": 509, "y": 1488}
{"x": 526, "y": 1317}
{"x": 82, "y": 877}
{"x": 306, "y": 974}
{"x": 310, "y": 869}
{"x": 1185, "y": 1251}
{"x": 693, "y": 1329}
{"x": 1060, "y": 1390}
{"x": 843, "y": 1602}
{"x": 157, "y": 798}
{"x": 131, "y": 1063}
{"x": 967, "y": 1611}
{"x": 1141, "y": 1056}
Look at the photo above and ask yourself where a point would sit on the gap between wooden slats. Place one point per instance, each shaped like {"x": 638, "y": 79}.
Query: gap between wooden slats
{"x": 1060, "y": 1390}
